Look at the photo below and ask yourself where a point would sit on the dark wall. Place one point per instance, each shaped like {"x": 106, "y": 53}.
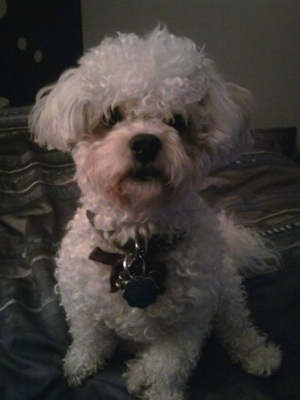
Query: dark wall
{"x": 39, "y": 39}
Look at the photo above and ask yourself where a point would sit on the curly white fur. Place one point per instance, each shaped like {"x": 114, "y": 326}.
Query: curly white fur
{"x": 165, "y": 89}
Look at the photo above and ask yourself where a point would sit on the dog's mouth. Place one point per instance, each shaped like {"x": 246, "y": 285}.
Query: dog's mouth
{"x": 141, "y": 187}
{"x": 145, "y": 175}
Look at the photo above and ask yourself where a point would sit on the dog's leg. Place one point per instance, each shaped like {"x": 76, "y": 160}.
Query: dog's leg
{"x": 245, "y": 343}
{"x": 162, "y": 370}
{"x": 90, "y": 350}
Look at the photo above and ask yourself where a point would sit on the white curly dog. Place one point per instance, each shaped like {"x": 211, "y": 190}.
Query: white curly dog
{"x": 144, "y": 259}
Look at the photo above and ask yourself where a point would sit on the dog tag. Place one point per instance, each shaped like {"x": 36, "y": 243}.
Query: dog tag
{"x": 140, "y": 293}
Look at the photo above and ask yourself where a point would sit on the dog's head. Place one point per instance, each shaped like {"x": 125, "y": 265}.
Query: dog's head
{"x": 145, "y": 119}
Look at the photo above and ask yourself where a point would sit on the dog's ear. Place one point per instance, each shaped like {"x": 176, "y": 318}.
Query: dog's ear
{"x": 227, "y": 107}
{"x": 242, "y": 98}
{"x": 57, "y": 119}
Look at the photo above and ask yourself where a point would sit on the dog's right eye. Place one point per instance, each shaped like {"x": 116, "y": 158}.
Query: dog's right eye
{"x": 112, "y": 118}
{"x": 177, "y": 122}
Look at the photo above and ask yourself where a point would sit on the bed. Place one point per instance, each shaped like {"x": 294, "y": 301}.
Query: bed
{"x": 38, "y": 197}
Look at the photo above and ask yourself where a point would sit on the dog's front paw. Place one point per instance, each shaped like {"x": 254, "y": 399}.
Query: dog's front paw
{"x": 77, "y": 374}
{"x": 79, "y": 365}
{"x": 140, "y": 382}
{"x": 162, "y": 393}
{"x": 263, "y": 360}
{"x": 135, "y": 377}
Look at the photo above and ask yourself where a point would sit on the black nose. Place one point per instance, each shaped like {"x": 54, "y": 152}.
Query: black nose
{"x": 145, "y": 147}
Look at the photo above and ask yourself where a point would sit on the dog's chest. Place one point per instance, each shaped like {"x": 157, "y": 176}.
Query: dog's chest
{"x": 191, "y": 284}
{"x": 185, "y": 297}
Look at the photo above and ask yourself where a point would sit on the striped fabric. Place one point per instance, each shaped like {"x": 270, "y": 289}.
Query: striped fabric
{"x": 37, "y": 197}
{"x": 263, "y": 191}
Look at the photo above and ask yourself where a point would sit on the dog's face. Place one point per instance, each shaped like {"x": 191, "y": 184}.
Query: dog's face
{"x": 145, "y": 119}
{"x": 138, "y": 163}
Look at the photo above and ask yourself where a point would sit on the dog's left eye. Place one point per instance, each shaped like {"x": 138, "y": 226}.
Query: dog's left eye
{"x": 113, "y": 117}
{"x": 177, "y": 122}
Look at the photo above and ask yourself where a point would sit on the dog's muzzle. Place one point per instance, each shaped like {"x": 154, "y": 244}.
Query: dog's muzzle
{"x": 145, "y": 148}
